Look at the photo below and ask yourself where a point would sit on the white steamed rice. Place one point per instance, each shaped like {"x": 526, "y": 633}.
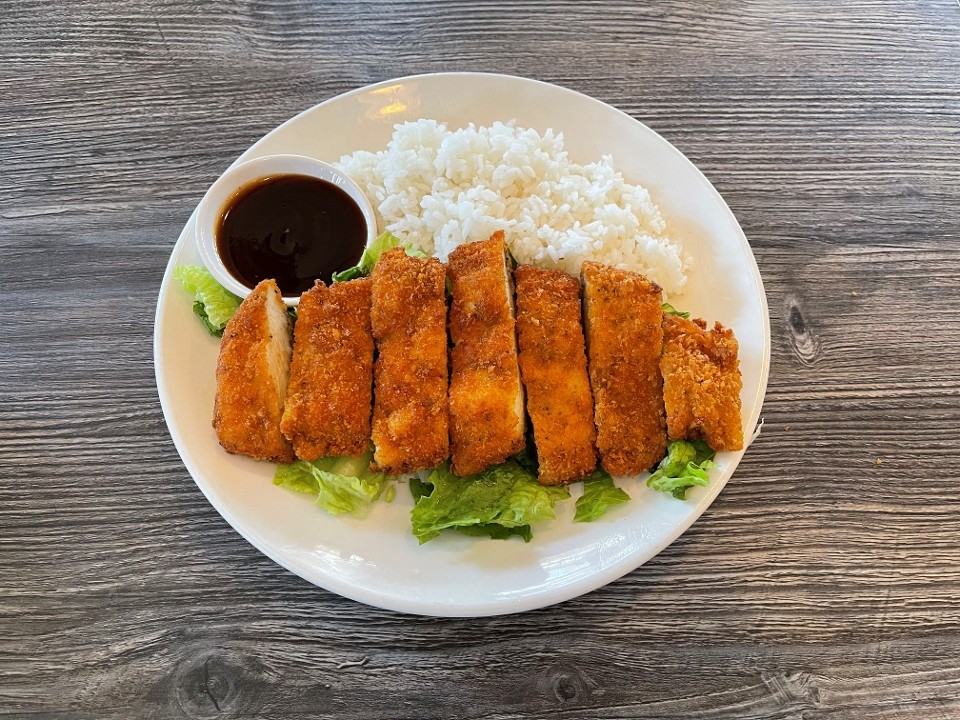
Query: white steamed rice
{"x": 440, "y": 188}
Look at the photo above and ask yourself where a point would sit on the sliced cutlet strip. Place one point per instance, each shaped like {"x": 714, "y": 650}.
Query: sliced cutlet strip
{"x": 701, "y": 383}
{"x": 487, "y": 419}
{"x": 409, "y": 319}
{"x": 252, "y": 373}
{"x": 554, "y": 371}
{"x": 329, "y": 399}
{"x": 624, "y": 313}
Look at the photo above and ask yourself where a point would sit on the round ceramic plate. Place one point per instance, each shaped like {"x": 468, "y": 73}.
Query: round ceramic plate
{"x": 376, "y": 560}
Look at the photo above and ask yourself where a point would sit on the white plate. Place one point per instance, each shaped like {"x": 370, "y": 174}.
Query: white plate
{"x": 377, "y": 560}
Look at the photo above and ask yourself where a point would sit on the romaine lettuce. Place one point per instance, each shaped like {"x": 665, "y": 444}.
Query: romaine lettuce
{"x": 496, "y": 532}
{"x": 669, "y": 309}
{"x": 214, "y": 304}
{"x": 341, "y": 484}
{"x": 684, "y": 467}
{"x": 503, "y": 500}
{"x": 599, "y": 495}
{"x": 378, "y": 247}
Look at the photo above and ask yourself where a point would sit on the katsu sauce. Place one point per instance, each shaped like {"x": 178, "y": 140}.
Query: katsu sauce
{"x": 292, "y": 228}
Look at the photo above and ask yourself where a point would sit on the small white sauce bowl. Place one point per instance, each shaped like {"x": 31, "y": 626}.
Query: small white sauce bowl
{"x": 222, "y": 193}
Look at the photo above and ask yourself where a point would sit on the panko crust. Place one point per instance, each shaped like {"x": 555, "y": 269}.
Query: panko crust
{"x": 624, "y": 313}
{"x": 409, "y": 321}
{"x": 701, "y": 383}
{"x": 487, "y": 420}
{"x": 328, "y": 406}
{"x": 252, "y": 373}
{"x": 553, "y": 365}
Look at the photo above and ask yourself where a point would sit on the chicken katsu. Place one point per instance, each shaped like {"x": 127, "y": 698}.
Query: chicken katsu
{"x": 327, "y": 412}
{"x": 252, "y": 373}
{"x": 608, "y": 379}
{"x": 487, "y": 420}
{"x": 701, "y": 383}
{"x": 553, "y": 366}
{"x": 623, "y": 314}
{"x": 408, "y": 315}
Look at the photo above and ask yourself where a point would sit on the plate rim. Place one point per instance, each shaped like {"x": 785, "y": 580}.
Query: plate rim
{"x": 495, "y": 607}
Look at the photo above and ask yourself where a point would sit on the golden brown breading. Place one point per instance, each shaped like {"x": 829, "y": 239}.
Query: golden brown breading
{"x": 409, "y": 319}
{"x": 554, "y": 370}
{"x": 487, "y": 420}
{"x": 328, "y": 405}
{"x": 701, "y": 383}
{"x": 624, "y": 312}
{"x": 252, "y": 373}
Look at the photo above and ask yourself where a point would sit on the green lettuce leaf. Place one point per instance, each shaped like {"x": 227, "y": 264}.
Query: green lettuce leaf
{"x": 669, "y": 309}
{"x": 378, "y": 247}
{"x": 201, "y": 312}
{"x": 684, "y": 467}
{"x": 599, "y": 495}
{"x": 505, "y": 495}
{"x": 341, "y": 484}
{"x": 214, "y": 304}
{"x": 497, "y": 532}
{"x": 419, "y": 488}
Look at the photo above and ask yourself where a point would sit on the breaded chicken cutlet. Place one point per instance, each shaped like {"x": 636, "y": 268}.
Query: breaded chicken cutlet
{"x": 701, "y": 383}
{"x": 409, "y": 320}
{"x": 487, "y": 419}
{"x": 328, "y": 405}
{"x": 252, "y": 373}
{"x": 623, "y": 314}
{"x": 554, "y": 370}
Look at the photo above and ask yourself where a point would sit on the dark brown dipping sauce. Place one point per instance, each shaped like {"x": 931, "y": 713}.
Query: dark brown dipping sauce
{"x": 292, "y": 228}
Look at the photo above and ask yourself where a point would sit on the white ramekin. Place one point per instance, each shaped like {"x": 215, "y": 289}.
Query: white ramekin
{"x": 240, "y": 176}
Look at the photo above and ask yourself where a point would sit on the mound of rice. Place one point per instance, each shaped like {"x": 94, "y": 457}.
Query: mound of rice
{"x": 440, "y": 188}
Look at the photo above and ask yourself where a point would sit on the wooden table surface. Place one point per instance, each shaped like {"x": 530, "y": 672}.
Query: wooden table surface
{"x": 823, "y": 583}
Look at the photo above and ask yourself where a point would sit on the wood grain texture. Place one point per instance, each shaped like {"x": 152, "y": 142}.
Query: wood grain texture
{"x": 823, "y": 584}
